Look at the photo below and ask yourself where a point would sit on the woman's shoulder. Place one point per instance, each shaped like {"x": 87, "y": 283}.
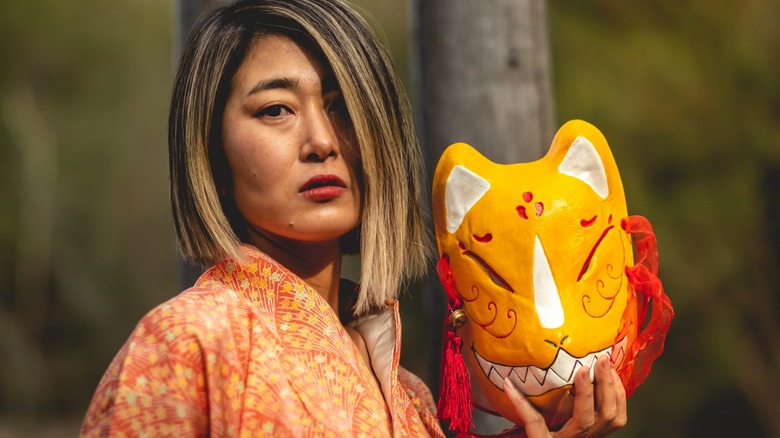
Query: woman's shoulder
{"x": 194, "y": 306}
{"x": 225, "y": 297}
{"x": 165, "y": 361}
{"x": 194, "y": 320}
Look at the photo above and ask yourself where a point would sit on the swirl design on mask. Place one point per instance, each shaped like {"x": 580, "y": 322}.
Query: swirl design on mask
{"x": 610, "y": 284}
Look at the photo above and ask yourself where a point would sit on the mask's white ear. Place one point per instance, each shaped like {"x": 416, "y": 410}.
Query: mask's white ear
{"x": 583, "y": 162}
{"x": 464, "y": 188}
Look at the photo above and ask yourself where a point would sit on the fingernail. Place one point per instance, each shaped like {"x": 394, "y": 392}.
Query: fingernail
{"x": 509, "y": 386}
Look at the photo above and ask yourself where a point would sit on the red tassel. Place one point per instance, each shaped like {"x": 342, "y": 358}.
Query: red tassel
{"x": 455, "y": 402}
{"x": 647, "y": 293}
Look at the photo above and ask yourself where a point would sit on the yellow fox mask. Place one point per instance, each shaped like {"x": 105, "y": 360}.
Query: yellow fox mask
{"x": 536, "y": 255}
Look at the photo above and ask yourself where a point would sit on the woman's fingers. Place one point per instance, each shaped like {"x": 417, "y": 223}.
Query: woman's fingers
{"x": 621, "y": 419}
{"x": 583, "y": 415}
{"x": 597, "y": 411}
{"x": 610, "y": 398}
{"x": 606, "y": 396}
{"x": 525, "y": 413}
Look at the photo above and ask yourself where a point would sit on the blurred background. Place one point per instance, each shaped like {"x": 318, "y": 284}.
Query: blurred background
{"x": 687, "y": 93}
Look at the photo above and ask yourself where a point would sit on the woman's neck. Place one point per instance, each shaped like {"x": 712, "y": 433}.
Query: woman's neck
{"x": 316, "y": 263}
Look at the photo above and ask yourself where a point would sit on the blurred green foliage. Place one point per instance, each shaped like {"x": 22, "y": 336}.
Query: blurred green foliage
{"x": 686, "y": 93}
{"x": 85, "y": 243}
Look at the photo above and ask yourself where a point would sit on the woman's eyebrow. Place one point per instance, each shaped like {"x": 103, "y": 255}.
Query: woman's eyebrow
{"x": 273, "y": 84}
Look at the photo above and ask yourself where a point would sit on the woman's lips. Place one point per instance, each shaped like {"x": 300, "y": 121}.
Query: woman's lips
{"x": 323, "y": 188}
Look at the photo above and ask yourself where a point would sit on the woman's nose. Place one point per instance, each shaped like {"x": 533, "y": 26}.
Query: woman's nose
{"x": 321, "y": 139}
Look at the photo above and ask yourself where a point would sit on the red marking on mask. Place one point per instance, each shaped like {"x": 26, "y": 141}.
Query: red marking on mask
{"x": 588, "y": 222}
{"x": 539, "y": 208}
{"x": 528, "y": 196}
{"x": 521, "y": 212}
{"x": 483, "y": 239}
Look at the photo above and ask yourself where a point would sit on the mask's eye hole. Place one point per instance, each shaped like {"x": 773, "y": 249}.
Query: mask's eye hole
{"x": 586, "y": 265}
{"x": 584, "y": 268}
{"x": 494, "y": 277}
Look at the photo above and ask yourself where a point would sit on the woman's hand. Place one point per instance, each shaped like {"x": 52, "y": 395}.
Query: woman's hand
{"x": 593, "y": 415}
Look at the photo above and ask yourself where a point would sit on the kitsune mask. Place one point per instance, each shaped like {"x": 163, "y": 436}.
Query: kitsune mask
{"x": 537, "y": 255}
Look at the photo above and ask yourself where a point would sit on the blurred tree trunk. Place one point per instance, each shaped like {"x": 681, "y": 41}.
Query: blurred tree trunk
{"x": 482, "y": 76}
{"x": 187, "y": 13}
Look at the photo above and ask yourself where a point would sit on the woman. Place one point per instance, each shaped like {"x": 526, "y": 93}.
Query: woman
{"x": 291, "y": 143}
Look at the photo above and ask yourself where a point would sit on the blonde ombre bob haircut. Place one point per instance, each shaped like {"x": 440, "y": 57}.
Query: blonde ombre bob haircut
{"x": 392, "y": 239}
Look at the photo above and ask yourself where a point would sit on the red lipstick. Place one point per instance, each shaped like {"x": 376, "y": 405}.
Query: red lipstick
{"x": 322, "y": 188}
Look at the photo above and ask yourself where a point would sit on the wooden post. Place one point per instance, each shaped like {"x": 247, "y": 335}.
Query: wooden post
{"x": 481, "y": 76}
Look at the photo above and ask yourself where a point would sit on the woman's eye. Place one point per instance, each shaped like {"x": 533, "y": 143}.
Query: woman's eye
{"x": 273, "y": 111}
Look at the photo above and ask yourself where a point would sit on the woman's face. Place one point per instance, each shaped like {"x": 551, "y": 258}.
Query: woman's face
{"x": 290, "y": 145}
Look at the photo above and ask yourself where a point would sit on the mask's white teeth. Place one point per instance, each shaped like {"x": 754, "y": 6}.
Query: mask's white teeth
{"x": 496, "y": 373}
{"x": 564, "y": 365}
{"x": 539, "y": 374}
{"x": 483, "y": 364}
{"x": 519, "y": 373}
{"x": 495, "y": 378}
{"x": 502, "y": 370}
{"x": 532, "y": 380}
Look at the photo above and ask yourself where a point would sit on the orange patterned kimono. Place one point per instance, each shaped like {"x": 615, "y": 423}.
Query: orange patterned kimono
{"x": 251, "y": 350}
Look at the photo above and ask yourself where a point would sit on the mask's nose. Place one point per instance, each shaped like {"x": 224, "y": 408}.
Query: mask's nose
{"x": 546, "y": 298}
